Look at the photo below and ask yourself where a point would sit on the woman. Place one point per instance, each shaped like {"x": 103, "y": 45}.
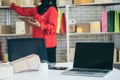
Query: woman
{"x": 45, "y": 24}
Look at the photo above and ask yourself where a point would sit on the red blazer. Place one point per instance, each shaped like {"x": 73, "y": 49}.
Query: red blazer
{"x": 48, "y": 22}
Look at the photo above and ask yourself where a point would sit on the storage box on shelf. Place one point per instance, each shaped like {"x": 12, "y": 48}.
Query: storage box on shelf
{"x": 103, "y": 1}
{"x": 22, "y": 28}
{"x": 82, "y": 1}
{"x": 0, "y": 53}
{"x": 64, "y": 2}
{"x": 117, "y": 58}
{"x": 5, "y": 29}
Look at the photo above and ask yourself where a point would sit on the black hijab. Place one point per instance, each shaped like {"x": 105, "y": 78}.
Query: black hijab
{"x": 45, "y": 4}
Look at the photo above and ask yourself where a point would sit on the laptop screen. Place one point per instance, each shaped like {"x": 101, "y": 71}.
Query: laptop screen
{"x": 94, "y": 55}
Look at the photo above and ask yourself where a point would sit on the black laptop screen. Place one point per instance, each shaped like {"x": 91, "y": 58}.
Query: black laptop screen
{"x": 94, "y": 55}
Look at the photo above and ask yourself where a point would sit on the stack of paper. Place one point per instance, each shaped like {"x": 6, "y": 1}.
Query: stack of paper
{"x": 30, "y": 62}
{"x": 6, "y": 71}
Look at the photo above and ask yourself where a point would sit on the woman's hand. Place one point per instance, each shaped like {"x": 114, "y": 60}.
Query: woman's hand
{"x": 34, "y": 23}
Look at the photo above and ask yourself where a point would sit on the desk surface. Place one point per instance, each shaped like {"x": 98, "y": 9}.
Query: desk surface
{"x": 57, "y": 75}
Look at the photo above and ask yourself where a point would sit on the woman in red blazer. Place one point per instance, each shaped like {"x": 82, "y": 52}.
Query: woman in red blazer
{"x": 45, "y": 24}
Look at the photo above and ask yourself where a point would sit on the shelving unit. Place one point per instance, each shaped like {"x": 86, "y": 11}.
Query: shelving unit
{"x": 8, "y": 21}
{"x": 67, "y": 24}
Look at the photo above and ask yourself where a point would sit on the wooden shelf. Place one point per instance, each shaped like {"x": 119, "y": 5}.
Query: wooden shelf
{"x": 4, "y": 7}
{"x": 99, "y": 33}
{"x": 96, "y": 4}
{"x": 61, "y": 6}
{"x": 3, "y": 35}
{"x": 87, "y": 4}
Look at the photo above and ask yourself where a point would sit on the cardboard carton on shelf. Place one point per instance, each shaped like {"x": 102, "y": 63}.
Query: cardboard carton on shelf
{"x": 0, "y": 2}
{"x": 83, "y": 27}
{"x": 5, "y": 29}
{"x": 25, "y": 3}
{"x": 103, "y": 1}
{"x": 72, "y": 28}
{"x": 83, "y": 1}
{"x": 22, "y": 28}
{"x": 72, "y": 52}
{"x": 0, "y": 52}
{"x": 95, "y": 27}
{"x": 64, "y": 2}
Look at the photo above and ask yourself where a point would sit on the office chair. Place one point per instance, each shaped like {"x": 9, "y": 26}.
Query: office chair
{"x": 22, "y": 47}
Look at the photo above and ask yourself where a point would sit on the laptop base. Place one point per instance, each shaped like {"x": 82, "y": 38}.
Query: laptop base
{"x": 89, "y": 73}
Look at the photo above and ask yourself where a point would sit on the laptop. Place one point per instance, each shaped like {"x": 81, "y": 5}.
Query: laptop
{"x": 92, "y": 59}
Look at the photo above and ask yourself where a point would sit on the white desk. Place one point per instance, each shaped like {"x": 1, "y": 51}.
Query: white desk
{"x": 57, "y": 75}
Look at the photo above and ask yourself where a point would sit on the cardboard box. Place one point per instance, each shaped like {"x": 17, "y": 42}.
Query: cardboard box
{"x": 0, "y": 53}
{"x": 82, "y": 1}
{"x": 84, "y": 27}
{"x": 5, "y": 29}
{"x": 27, "y": 63}
{"x": 103, "y": 1}
{"x": 22, "y": 28}
{"x": 72, "y": 52}
{"x": 25, "y": 3}
{"x": 64, "y": 2}
{"x": 72, "y": 28}
{"x": 0, "y": 2}
{"x": 95, "y": 27}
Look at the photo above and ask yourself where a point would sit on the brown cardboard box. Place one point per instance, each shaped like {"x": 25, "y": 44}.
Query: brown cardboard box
{"x": 72, "y": 52}
{"x": 5, "y": 29}
{"x": 0, "y": 53}
{"x": 0, "y": 2}
{"x": 82, "y": 1}
{"x": 25, "y": 3}
{"x": 4, "y": 3}
{"x": 64, "y": 2}
{"x": 72, "y": 28}
{"x": 84, "y": 27}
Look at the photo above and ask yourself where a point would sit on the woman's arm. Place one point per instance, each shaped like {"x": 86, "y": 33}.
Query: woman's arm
{"x": 23, "y": 11}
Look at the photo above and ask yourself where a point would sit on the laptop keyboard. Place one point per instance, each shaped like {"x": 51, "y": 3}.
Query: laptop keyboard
{"x": 89, "y": 70}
